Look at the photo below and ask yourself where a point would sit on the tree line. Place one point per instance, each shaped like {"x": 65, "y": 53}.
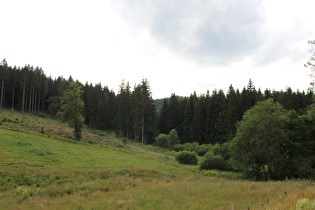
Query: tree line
{"x": 271, "y": 131}
{"x": 206, "y": 118}
{"x": 211, "y": 118}
{"x": 130, "y": 112}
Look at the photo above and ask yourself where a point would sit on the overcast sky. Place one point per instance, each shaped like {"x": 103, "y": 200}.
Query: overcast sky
{"x": 180, "y": 46}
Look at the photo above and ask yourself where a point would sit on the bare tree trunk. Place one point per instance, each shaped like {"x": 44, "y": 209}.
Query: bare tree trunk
{"x": 23, "y": 99}
{"x": 268, "y": 171}
{"x": 33, "y": 99}
{"x": 12, "y": 106}
{"x": 43, "y": 103}
{"x": 2, "y": 93}
{"x": 145, "y": 134}
{"x": 142, "y": 129}
{"x": 26, "y": 101}
{"x": 264, "y": 173}
{"x": 38, "y": 104}
{"x": 30, "y": 101}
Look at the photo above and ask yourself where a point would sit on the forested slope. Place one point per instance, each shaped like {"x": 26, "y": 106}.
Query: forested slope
{"x": 205, "y": 118}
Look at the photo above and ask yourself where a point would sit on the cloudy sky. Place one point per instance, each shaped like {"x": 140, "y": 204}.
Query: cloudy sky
{"x": 180, "y": 46}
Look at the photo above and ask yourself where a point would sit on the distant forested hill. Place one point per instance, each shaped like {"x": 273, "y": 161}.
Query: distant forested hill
{"x": 159, "y": 102}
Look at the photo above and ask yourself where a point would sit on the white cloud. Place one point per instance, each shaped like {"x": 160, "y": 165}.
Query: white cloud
{"x": 180, "y": 46}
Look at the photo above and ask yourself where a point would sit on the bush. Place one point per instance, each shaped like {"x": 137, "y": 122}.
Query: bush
{"x": 191, "y": 146}
{"x": 201, "y": 150}
{"x": 4, "y": 119}
{"x": 162, "y": 140}
{"x": 173, "y": 138}
{"x": 178, "y": 147}
{"x": 67, "y": 135}
{"x": 186, "y": 157}
{"x": 42, "y": 131}
{"x": 222, "y": 150}
{"x": 211, "y": 161}
{"x": 124, "y": 140}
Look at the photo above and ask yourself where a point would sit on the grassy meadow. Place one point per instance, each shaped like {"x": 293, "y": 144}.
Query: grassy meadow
{"x": 42, "y": 167}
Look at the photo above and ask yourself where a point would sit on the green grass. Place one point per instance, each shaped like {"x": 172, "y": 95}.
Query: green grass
{"x": 38, "y": 171}
{"x": 152, "y": 148}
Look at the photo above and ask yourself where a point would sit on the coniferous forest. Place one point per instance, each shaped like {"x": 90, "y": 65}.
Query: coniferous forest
{"x": 209, "y": 118}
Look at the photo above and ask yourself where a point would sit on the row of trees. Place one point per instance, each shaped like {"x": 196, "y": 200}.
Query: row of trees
{"x": 207, "y": 118}
{"x": 211, "y": 118}
{"x": 136, "y": 114}
{"x": 270, "y": 142}
{"x": 276, "y": 133}
{"x": 130, "y": 112}
{"x": 275, "y": 141}
{"x": 24, "y": 87}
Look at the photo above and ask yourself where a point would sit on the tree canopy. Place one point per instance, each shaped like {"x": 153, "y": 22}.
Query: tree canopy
{"x": 71, "y": 108}
{"x": 260, "y": 136}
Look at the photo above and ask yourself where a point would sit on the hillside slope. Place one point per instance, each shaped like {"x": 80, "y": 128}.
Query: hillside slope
{"x": 49, "y": 170}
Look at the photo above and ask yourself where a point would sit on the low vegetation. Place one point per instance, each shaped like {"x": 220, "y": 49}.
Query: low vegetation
{"x": 212, "y": 161}
{"x": 41, "y": 167}
{"x": 187, "y": 157}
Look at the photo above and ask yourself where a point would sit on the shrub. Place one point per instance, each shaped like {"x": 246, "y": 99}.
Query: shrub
{"x": 211, "y": 161}
{"x": 187, "y": 157}
{"x": 67, "y": 135}
{"x": 89, "y": 140}
{"x": 191, "y": 146}
{"x": 222, "y": 150}
{"x": 4, "y": 119}
{"x": 124, "y": 140}
{"x": 162, "y": 140}
{"x": 201, "y": 150}
{"x": 178, "y": 147}
{"x": 173, "y": 138}
{"x": 42, "y": 131}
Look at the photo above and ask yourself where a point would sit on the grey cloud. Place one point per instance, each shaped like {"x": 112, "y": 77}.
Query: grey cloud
{"x": 213, "y": 31}
{"x": 282, "y": 45}
{"x": 228, "y": 35}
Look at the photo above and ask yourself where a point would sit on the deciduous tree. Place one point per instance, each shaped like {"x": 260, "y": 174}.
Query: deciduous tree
{"x": 260, "y": 135}
{"x": 311, "y": 63}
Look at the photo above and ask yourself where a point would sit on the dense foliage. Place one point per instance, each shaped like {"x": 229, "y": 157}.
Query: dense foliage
{"x": 130, "y": 113}
{"x": 187, "y": 157}
{"x": 200, "y": 123}
{"x": 212, "y": 161}
{"x": 252, "y": 146}
{"x": 211, "y": 118}
{"x": 167, "y": 141}
{"x": 71, "y": 109}
{"x": 208, "y": 118}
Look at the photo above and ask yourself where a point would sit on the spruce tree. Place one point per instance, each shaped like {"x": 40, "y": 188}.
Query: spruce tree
{"x": 3, "y": 69}
{"x": 144, "y": 113}
{"x": 124, "y": 109}
{"x": 173, "y": 113}
{"x": 214, "y": 108}
{"x": 227, "y": 118}
{"x": 164, "y": 118}
{"x": 72, "y": 107}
